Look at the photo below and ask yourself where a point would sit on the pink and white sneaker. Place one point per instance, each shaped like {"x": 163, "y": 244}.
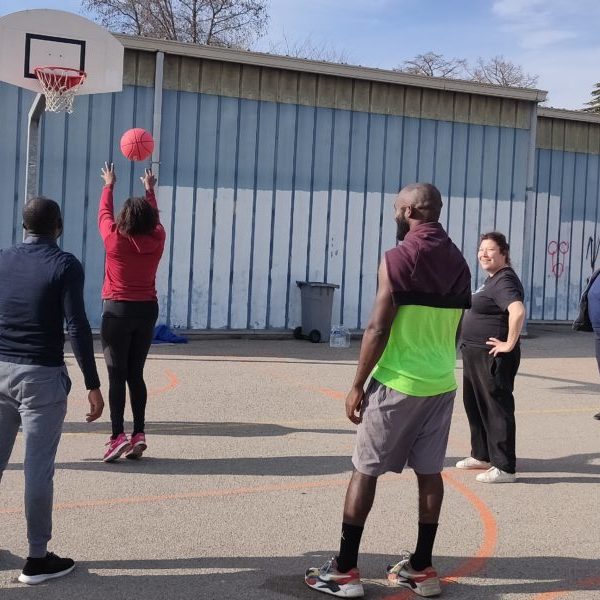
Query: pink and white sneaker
{"x": 424, "y": 583}
{"x": 116, "y": 447}
{"x": 138, "y": 445}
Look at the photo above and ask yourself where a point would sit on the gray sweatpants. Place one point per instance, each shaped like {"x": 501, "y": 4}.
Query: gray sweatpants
{"x": 35, "y": 398}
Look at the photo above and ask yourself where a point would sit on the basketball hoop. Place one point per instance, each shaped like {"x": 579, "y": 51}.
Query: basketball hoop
{"x": 59, "y": 85}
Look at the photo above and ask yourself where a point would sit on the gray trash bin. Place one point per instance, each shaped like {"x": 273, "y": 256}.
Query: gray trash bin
{"x": 317, "y": 302}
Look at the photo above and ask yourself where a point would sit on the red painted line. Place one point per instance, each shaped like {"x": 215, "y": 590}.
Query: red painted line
{"x": 486, "y": 549}
{"x": 274, "y": 487}
{"x": 172, "y": 383}
{"x": 488, "y": 521}
{"x": 331, "y": 393}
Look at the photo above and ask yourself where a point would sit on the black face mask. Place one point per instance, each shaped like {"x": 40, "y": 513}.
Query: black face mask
{"x": 402, "y": 227}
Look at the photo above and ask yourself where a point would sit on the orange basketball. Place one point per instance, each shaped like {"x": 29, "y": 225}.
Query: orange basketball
{"x": 137, "y": 144}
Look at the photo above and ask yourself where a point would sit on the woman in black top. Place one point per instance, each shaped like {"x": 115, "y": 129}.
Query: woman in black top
{"x": 491, "y": 356}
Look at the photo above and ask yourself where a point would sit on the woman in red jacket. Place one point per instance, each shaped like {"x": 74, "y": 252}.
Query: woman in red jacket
{"x": 134, "y": 244}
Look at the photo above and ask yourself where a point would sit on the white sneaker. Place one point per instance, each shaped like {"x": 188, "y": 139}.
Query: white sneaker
{"x": 496, "y": 475}
{"x": 472, "y": 463}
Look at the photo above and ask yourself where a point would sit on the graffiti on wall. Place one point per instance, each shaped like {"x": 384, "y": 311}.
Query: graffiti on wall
{"x": 591, "y": 251}
{"x": 557, "y": 252}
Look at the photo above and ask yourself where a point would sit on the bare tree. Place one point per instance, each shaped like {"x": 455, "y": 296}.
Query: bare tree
{"x": 218, "y": 22}
{"x": 499, "y": 71}
{"x": 434, "y": 65}
{"x": 309, "y": 49}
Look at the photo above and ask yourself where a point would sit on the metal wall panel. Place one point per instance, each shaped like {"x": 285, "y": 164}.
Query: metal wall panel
{"x": 72, "y": 150}
{"x": 256, "y": 194}
{"x": 14, "y": 106}
{"x": 565, "y": 240}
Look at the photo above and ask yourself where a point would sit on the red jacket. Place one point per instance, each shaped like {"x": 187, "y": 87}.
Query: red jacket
{"x": 131, "y": 261}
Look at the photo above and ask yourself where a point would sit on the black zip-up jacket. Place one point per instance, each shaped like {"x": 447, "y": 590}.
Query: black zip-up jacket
{"x": 41, "y": 287}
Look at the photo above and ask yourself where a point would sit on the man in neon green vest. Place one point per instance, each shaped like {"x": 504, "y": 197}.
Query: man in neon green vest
{"x": 403, "y": 417}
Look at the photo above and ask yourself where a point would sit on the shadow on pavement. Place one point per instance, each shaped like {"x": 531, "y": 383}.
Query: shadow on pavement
{"x": 257, "y": 578}
{"x": 280, "y": 466}
{"x": 209, "y": 429}
{"x": 580, "y": 464}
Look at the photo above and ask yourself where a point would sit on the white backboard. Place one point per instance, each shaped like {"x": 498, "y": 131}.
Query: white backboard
{"x": 44, "y": 38}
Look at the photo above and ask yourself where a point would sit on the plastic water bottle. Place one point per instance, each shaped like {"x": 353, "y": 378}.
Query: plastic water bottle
{"x": 339, "y": 337}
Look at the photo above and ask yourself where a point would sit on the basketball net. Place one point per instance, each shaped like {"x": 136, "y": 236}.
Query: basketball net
{"x": 59, "y": 85}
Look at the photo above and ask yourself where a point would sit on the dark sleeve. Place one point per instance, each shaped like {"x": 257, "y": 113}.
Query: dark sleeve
{"x": 508, "y": 290}
{"x": 77, "y": 323}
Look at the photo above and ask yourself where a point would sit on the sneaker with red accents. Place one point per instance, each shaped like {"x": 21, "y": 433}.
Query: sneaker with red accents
{"x": 116, "y": 447}
{"x": 424, "y": 583}
{"x": 329, "y": 580}
{"x": 138, "y": 445}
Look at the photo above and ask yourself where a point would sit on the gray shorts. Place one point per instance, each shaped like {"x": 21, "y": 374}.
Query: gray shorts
{"x": 398, "y": 429}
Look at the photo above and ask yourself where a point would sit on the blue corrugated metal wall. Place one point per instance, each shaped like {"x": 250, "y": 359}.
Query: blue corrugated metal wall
{"x": 14, "y": 107}
{"x": 256, "y": 195}
{"x": 565, "y": 236}
{"x": 72, "y": 150}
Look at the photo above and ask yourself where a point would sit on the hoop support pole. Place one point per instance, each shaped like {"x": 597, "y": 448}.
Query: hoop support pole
{"x": 33, "y": 142}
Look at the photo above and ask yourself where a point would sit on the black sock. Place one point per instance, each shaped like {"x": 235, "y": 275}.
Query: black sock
{"x": 421, "y": 559}
{"x": 349, "y": 544}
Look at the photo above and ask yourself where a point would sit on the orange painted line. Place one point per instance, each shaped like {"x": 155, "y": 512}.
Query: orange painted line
{"x": 581, "y": 584}
{"x": 331, "y": 393}
{"x": 172, "y": 383}
{"x": 275, "y": 487}
{"x": 486, "y": 549}
{"x": 490, "y": 532}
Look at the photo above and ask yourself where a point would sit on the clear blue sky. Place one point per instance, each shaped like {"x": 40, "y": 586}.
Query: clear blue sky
{"x": 555, "y": 39}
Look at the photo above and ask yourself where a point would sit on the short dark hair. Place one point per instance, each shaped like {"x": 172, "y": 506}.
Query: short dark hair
{"x": 41, "y": 216}
{"x": 426, "y": 200}
{"x": 500, "y": 240}
{"x": 137, "y": 217}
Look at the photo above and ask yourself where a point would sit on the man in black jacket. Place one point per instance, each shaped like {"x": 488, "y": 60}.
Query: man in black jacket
{"x": 42, "y": 287}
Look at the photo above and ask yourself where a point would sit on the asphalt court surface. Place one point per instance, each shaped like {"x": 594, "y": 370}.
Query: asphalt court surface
{"x": 243, "y": 483}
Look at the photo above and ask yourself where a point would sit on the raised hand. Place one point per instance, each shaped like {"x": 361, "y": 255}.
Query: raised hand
{"x": 108, "y": 174}
{"x": 148, "y": 180}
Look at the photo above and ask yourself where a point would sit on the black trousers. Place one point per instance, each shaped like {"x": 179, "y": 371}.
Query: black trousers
{"x": 126, "y": 334}
{"x": 488, "y": 384}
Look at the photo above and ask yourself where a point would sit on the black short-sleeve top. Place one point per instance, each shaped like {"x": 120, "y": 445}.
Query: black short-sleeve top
{"x": 488, "y": 315}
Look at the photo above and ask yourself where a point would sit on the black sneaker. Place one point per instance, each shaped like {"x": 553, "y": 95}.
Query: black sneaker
{"x": 597, "y": 416}
{"x": 38, "y": 570}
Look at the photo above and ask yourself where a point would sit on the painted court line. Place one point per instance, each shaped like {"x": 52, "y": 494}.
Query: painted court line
{"x": 467, "y": 568}
{"x": 172, "y": 383}
{"x": 275, "y": 487}
{"x": 337, "y": 395}
{"x": 486, "y": 548}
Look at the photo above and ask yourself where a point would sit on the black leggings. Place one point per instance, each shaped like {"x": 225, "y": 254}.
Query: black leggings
{"x": 126, "y": 334}
{"x": 488, "y": 383}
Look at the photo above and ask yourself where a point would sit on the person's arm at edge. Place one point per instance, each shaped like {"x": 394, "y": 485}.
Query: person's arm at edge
{"x": 516, "y": 318}
{"x": 80, "y": 334}
{"x": 373, "y": 343}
